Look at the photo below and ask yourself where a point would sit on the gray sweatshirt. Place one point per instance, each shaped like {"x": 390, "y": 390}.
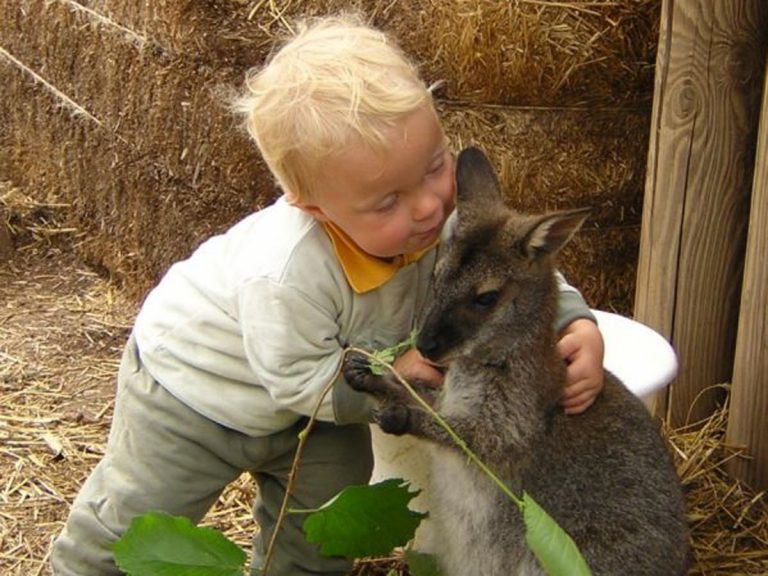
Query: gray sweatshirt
{"x": 251, "y": 328}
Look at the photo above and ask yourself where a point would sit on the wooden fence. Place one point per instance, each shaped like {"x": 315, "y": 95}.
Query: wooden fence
{"x": 749, "y": 402}
{"x": 697, "y": 219}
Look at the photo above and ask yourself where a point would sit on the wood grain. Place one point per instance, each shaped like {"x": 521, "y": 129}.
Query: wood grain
{"x": 749, "y": 392}
{"x": 700, "y": 164}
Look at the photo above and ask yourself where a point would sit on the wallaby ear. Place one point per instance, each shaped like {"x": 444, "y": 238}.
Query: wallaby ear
{"x": 478, "y": 193}
{"x": 551, "y": 232}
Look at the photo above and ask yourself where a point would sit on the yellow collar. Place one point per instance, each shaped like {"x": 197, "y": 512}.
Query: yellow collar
{"x": 363, "y": 271}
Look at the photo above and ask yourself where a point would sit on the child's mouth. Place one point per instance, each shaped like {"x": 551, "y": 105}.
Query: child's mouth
{"x": 431, "y": 233}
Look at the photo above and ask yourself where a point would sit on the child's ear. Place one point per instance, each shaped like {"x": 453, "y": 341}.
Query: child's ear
{"x": 312, "y": 209}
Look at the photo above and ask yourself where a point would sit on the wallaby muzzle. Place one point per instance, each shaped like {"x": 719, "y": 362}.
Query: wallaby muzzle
{"x": 437, "y": 338}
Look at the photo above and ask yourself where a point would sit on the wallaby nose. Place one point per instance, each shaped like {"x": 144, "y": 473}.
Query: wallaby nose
{"x": 428, "y": 345}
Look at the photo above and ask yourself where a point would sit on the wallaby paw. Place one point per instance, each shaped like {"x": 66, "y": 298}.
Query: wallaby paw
{"x": 357, "y": 372}
{"x": 394, "y": 419}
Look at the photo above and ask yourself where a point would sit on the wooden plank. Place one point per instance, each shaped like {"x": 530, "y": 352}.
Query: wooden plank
{"x": 749, "y": 391}
{"x": 704, "y": 120}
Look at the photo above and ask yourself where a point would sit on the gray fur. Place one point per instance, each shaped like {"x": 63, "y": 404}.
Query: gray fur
{"x": 604, "y": 475}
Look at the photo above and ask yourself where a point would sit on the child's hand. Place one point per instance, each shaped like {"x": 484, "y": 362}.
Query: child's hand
{"x": 411, "y": 365}
{"x": 581, "y": 346}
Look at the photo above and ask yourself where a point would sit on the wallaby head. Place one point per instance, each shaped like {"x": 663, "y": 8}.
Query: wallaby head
{"x": 494, "y": 283}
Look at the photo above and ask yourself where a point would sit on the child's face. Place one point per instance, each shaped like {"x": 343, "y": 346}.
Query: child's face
{"x": 392, "y": 202}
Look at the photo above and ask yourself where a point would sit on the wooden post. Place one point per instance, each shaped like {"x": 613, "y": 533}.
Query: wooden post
{"x": 749, "y": 391}
{"x": 704, "y": 122}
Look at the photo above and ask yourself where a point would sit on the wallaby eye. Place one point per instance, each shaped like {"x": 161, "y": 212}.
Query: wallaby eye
{"x": 486, "y": 299}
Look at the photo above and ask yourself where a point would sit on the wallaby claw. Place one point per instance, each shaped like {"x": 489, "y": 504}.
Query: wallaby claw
{"x": 357, "y": 372}
{"x": 394, "y": 419}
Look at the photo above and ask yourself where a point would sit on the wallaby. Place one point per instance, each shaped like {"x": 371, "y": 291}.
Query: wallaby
{"x": 604, "y": 475}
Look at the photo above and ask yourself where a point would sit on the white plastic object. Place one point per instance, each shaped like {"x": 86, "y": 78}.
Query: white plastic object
{"x": 640, "y": 357}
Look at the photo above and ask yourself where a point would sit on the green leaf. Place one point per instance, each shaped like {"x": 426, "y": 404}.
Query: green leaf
{"x": 157, "y": 544}
{"x": 420, "y": 564}
{"x": 388, "y": 355}
{"x": 364, "y": 520}
{"x": 556, "y": 551}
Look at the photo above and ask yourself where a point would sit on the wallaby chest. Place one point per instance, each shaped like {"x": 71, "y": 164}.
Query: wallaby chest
{"x": 474, "y": 526}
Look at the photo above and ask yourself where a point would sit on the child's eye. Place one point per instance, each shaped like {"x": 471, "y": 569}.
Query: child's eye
{"x": 387, "y": 204}
{"x": 437, "y": 166}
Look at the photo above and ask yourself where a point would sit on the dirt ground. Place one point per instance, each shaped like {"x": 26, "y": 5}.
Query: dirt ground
{"x": 62, "y": 328}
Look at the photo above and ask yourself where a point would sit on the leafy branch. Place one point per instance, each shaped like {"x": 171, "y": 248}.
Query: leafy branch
{"x": 553, "y": 547}
{"x": 381, "y": 360}
{"x": 158, "y": 544}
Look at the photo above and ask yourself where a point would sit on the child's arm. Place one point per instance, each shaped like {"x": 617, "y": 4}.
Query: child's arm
{"x": 581, "y": 346}
{"x": 411, "y": 365}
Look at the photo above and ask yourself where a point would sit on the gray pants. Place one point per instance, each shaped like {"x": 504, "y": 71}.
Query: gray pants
{"x": 161, "y": 455}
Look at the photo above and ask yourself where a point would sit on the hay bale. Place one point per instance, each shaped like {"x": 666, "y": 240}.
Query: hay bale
{"x": 536, "y": 53}
{"x": 6, "y": 242}
{"x": 163, "y": 107}
{"x": 123, "y": 117}
{"x": 135, "y": 218}
{"x": 488, "y": 51}
{"x": 554, "y": 159}
{"x": 180, "y": 27}
{"x": 151, "y": 162}
{"x": 232, "y": 33}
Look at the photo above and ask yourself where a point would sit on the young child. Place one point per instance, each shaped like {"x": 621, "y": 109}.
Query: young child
{"x": 230, "y": 352}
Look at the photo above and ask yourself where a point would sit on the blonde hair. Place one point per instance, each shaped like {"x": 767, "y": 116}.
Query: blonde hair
{"x": 334, "y": 83}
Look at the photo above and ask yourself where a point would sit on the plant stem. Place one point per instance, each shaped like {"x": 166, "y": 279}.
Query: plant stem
{"x": 303, "y": 435}
{"x": 458, "y": 440}
{"x": 303, "y": 510}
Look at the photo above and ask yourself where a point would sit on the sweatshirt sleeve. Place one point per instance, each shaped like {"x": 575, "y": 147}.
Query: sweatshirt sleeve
{"x": 570, "y": 305}
{"x": 292, "y": 343}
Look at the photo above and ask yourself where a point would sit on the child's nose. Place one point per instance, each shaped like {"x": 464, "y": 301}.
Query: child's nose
{"x": 426, "y": 204}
